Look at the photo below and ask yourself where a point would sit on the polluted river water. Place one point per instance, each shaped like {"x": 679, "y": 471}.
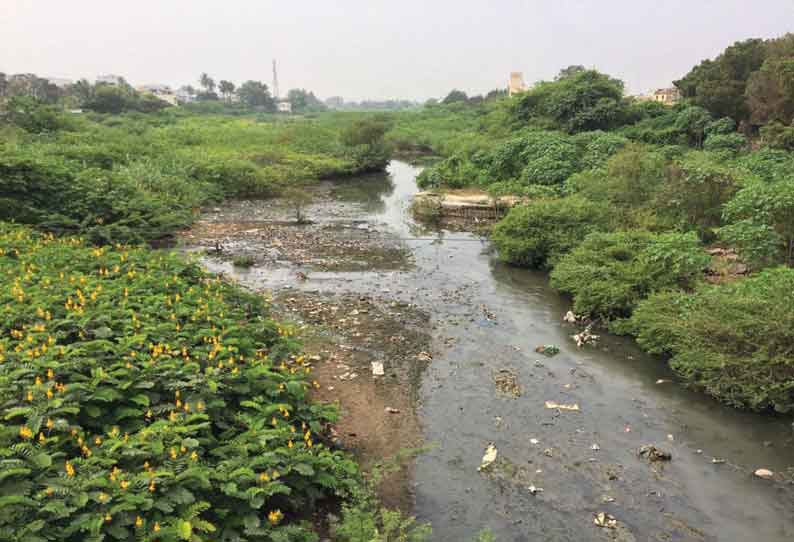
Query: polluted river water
{"x": 559, "y": 474}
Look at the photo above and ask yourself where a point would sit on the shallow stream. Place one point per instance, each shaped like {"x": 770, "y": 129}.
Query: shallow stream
{"x": 487, "y": 320}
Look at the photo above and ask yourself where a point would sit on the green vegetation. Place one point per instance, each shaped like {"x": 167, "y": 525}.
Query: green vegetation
{"x": 623, "y": 198}
{"x": 733, "y": 340}
{"x": 143, "y": 399}
{"x": 138, "y": 177}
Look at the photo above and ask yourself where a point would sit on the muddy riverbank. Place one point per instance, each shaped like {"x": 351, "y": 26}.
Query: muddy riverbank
{"x": 480, "y": 321}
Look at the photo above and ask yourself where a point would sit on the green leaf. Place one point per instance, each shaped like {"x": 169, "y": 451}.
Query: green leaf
{"x": 185, "y": 530}
{"x": 42, "y": 460}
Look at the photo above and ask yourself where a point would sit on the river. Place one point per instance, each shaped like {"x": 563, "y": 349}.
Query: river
{"x": 487, "y": 318}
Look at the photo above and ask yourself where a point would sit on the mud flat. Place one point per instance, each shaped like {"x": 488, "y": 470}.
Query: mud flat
{"x": 456, "y": 333}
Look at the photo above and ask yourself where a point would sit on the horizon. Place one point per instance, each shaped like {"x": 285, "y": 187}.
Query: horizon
{"x": 355, "y": 52}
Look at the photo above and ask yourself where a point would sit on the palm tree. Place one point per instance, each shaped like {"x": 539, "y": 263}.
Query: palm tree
{"x": 207, "y": 82}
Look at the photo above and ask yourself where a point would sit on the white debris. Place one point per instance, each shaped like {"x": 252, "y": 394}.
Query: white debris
{"x": 605, "y": 520}
{"x": 561, "y": 406}
{"x": 535, "y": 490}
{"x": 534, "y": 441}
{"x": 488, "y": 458}
{"x": 595, "y": 447}
{"x": 570, "y": 317}
{"x": 766, "y": 474}
{"x": 377, "y": 368}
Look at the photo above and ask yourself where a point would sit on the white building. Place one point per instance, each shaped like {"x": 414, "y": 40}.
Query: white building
{"x": 60, "y": 82}
{"x": 284, "y": 106}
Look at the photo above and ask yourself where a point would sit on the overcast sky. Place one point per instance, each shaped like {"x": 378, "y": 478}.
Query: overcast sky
{"x": 375, "y": 48}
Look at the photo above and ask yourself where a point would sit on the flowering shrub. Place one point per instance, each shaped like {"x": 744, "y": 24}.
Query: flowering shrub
{"x": 143, "y": 400}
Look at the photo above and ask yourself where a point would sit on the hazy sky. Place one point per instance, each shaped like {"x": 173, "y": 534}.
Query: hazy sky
{"x": 375, "y": 48}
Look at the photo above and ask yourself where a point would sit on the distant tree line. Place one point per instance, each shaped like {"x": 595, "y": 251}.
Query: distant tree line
{"x": 253, "y": 94}
{"x": 101, "y": 97}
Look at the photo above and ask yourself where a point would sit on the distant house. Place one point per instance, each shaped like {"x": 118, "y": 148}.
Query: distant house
{"x": 59, "y": 82}
{"x": 185, "y": 95}
{"x": 667, "y": 96}
{"x": 516, "y": 84}
{"x": 109, "y": 79}
{"x": 164, "y": 92}
{"x": 284, "y": 106}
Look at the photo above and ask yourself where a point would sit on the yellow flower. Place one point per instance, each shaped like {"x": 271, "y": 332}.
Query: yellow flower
{"x": 289, "y": 444}
{"x": 108, "y": 518}
{"x": 25, "y": 432}
{"x": 138, "y": 521}
{"x": 173, "y": 453}
{"x": 42, "y": 440}
{"x": 156, "y": 526}
{"x": 275, "y": 516}
{"x": 194, "y": 456}
{"x": 152, "y": 486}
{"x": 264, "y": 477}
{"x": 124, "y": 484}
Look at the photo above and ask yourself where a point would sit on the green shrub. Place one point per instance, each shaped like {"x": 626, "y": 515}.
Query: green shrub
{"x": 539, "y": 233}
{"x": 143, "y": 399}
{"x": 609, "y": 273}
{"x": 733, "y": 143}
{"x": 735, "y": 341}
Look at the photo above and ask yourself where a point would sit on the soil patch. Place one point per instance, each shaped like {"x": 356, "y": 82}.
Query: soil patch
{"x": 344, "y": 336}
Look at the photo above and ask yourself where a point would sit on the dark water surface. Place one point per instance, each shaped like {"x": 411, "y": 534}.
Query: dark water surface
{"x": 489, "y": 317}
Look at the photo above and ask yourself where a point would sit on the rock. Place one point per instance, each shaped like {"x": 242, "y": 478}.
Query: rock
{"x": 595, "y": 447}
{"x": 652, "y": 453}
{"x": 570, "y": 317}
{"x": 390, "y": 410}
{"x": 534, "y": 490}
{"x": 488, "y": 458}
{"x": 717, "y": 460}
{"x": 766, "y": 474}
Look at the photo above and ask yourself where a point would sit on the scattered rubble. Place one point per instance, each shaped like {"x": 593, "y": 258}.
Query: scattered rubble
{"x": 507, "y": 383}
{"x": 584, "y": 337}
{"x": 488, "y": 458}
{"x": 377, "y": 368}
{"x": 653, "y": 454}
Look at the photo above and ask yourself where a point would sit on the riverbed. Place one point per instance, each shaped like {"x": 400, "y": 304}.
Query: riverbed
{"x": 481, "y": 382}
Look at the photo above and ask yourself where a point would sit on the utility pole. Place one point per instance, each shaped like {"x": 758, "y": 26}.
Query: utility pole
{"x": 275, "y": 81}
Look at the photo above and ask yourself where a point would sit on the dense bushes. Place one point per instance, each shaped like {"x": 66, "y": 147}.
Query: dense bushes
{"x": 539, "y": 233}
{"x": 143, "y": 400}
{"x": 736, "y": 341}
{"x": 609, "y": 273}
{"x": 140, "y": 177}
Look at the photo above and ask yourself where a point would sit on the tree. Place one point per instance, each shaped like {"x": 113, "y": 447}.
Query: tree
{"x": 3, "y": 84}
{"x": 303, "y": 101}
{"x": 570, "y": 71}
{"x": 579, "y": 101}
{"x": 82, "y": 91}
{"x": 207, "y": 83}
{"x": 770, "y": 92}
{"x": 455, "y": 96}
{"x": 256, "y": 94}
{"x": 762, "y": 216}
{"x": 495, "y": 94}
{"x": 226, "y": 89}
